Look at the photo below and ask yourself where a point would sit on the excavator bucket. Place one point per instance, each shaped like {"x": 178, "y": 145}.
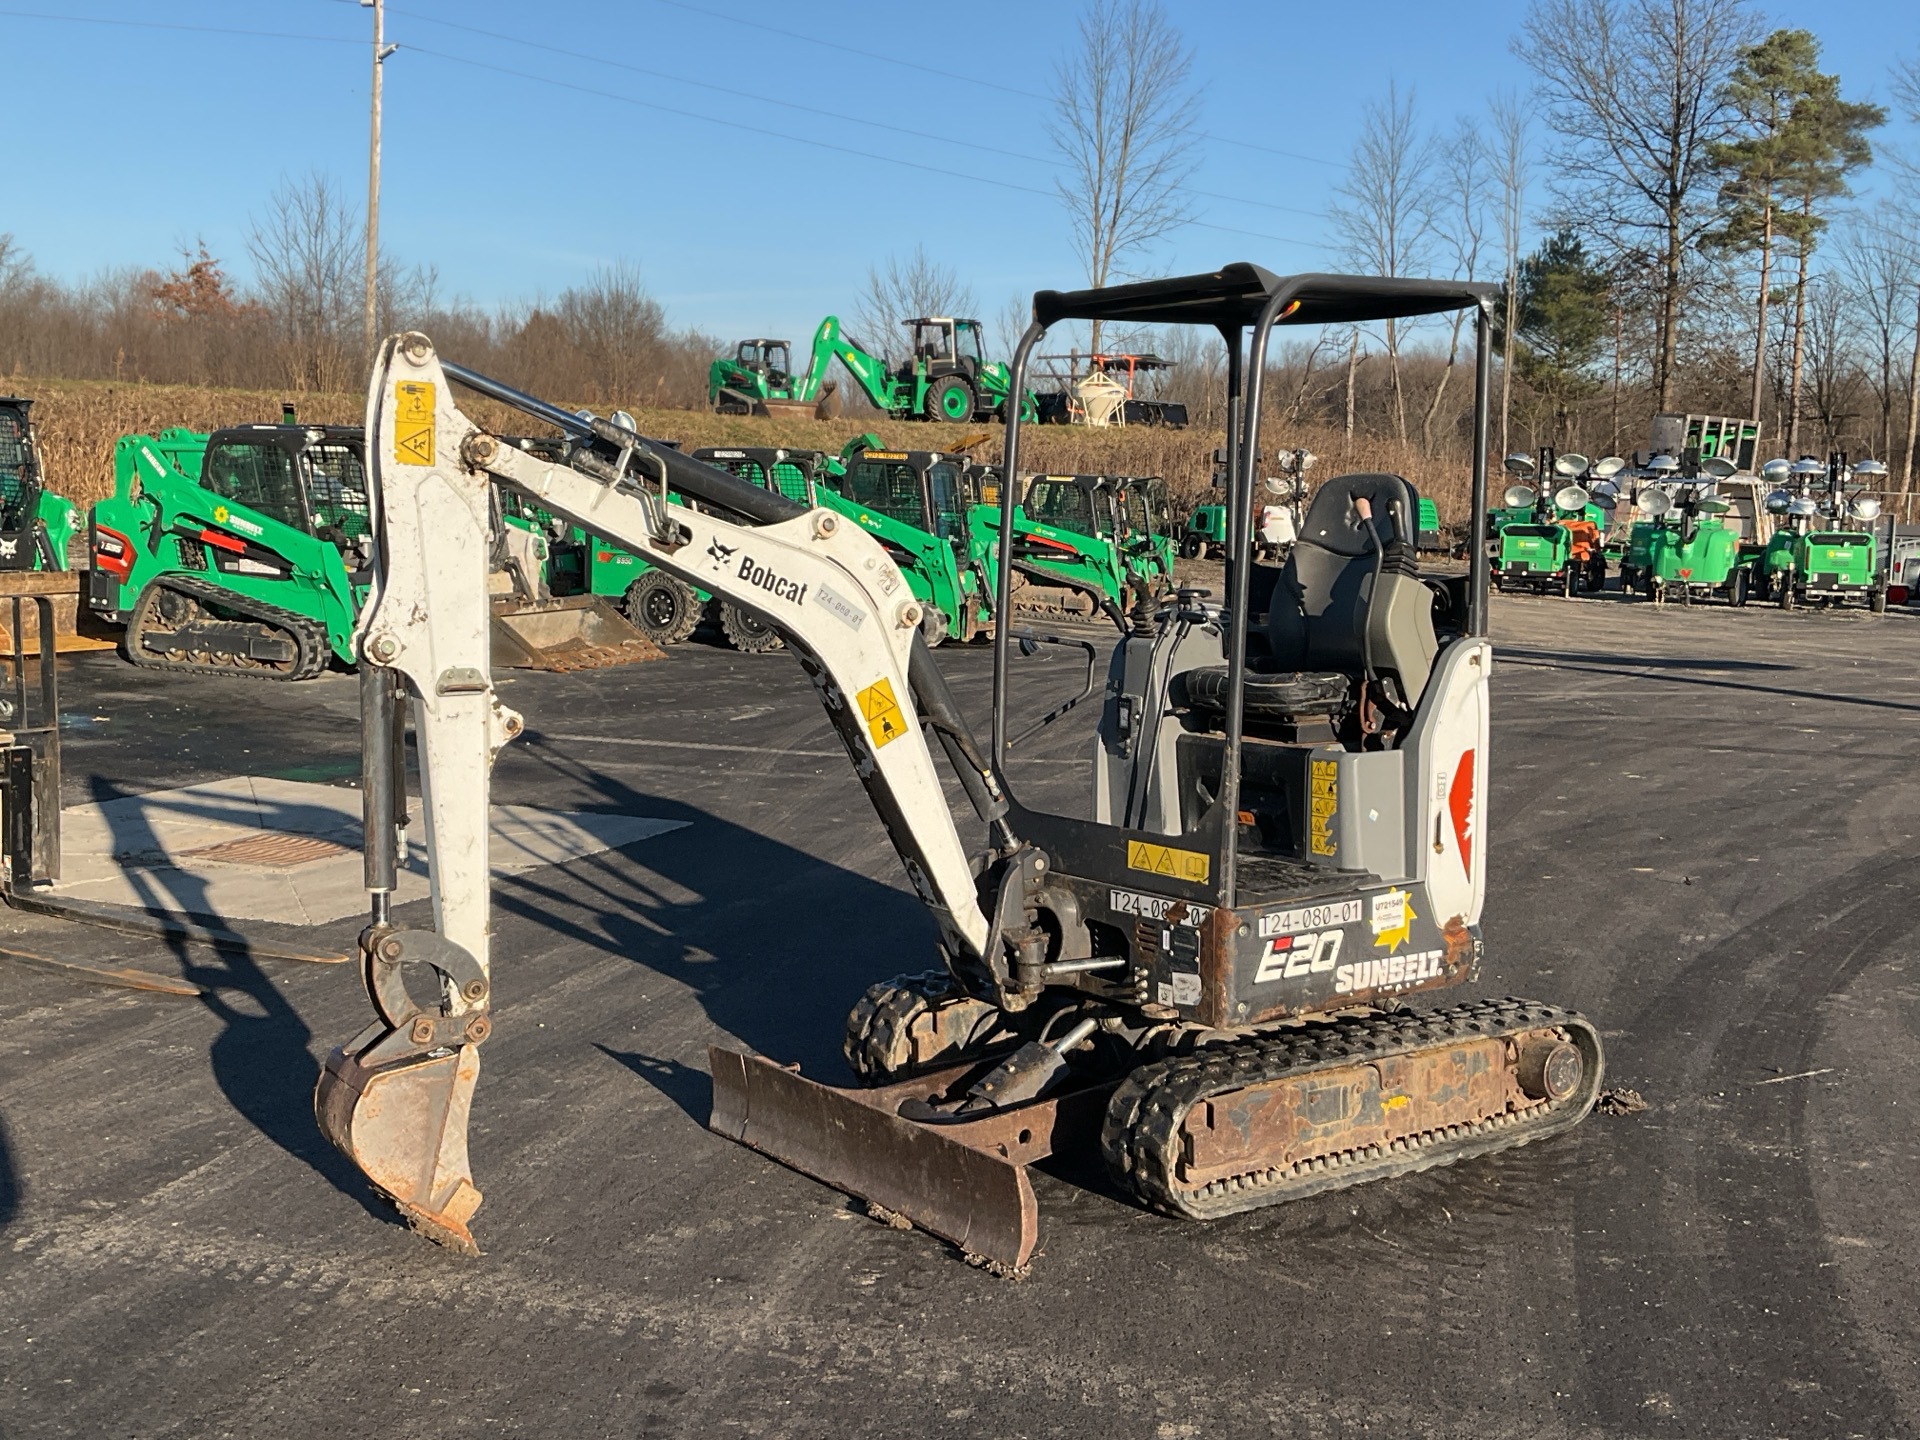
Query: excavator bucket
{"x": 578, "y": 632}
{"x": 405, "y": 1125}
{"x": 965, "y": 1182}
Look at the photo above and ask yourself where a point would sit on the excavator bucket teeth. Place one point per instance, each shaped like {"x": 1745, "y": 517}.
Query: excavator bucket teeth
{"x": 964, "y": 1182}
{"x": 580, "y": 632}
{"x": 405, "y": 1125}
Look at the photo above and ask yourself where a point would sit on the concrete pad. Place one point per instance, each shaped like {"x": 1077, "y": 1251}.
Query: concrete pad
{"x": 140, "y": 850}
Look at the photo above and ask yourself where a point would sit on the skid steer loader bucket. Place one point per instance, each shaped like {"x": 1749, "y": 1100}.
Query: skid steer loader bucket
{"x": 964, "y": 1182}
{"x": 827, "y": 407}
{"x": 578, "y": 632}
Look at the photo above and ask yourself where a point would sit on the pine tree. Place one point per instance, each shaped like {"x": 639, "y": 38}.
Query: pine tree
{"x": 1802, "y": 142}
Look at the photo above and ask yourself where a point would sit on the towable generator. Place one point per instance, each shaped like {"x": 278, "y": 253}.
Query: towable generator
{"x": 1204, "y": 970}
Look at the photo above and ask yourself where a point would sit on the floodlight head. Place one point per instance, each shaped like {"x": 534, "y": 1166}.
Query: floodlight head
{"x": 1521, "y": 466}
{"x": 1777, "y": 472}
{"x": 1655, "y": 502}
{"x": 1808, "y": 466}
{"x": 1664, "y": 465}
{"x": 1571, "y": 465}
{"x": 1571, "y": 497}
{"x": 1712, "y": 505}
{"x": 1802, "y": 508}
{"x": 1866, "y": 507}
{"x": 1778, "y": 501}
{"x": 1519, "y": 497}
{"x": 1608, "y": 468}
{"x": 1719, "y": 467}
{"x": 1870, "y": 470}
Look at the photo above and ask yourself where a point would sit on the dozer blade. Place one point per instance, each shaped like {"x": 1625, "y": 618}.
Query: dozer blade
{"x": 580, "y": 632}
{"x": 405, "y": 1125}
{"x": 965, "y": 1182}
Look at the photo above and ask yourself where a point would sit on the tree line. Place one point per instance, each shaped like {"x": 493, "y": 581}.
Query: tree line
{"x": 1701, "y": 249}
{"x": 298, "y": 324}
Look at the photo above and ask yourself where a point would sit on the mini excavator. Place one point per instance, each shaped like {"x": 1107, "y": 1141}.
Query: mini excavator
{"x": 1287, "y": 839}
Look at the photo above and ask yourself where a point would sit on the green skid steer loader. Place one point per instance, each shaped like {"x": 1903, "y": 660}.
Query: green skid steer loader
{"x": 246, "y": 552}
{"x": 37, "y": 527}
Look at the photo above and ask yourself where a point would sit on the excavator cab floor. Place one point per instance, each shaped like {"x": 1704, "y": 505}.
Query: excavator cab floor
{"x": 966, "y": 1182}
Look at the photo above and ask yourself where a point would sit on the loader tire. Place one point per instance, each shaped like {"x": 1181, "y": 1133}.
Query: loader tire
{"x": 748, "y": 632}
{"x": 912, "y": 1024}
{"x": 661, "y": 607}
{"x": 951, "y": 398}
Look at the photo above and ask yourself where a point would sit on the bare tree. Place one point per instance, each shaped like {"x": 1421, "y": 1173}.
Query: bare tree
{"x": 306, "y": 252}
{"x": 1880, "y": 271}
{"x": 906, "y": 290}
{"x": 1512, "y": 167}
{"x": 1636, "y": 90}
{"x": 1385, "y": 216}
{"x": 1123, "y": 116}
{"x": 1463, "y": 195}
{"x": 618, "y": 329}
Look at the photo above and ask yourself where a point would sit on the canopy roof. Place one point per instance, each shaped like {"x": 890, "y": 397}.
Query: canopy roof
{"x": 1237, "y": 293}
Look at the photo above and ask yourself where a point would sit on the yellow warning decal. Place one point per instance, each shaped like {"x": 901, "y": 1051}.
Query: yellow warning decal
{"x": 413, "y": 422}
{"x": 1326, "y": 801}
{"x": 881, "y": 710}
{"x": 1188, "y": 865}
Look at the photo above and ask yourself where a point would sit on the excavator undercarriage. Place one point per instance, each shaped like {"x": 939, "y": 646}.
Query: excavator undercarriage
{"x": 1205, "y": 982}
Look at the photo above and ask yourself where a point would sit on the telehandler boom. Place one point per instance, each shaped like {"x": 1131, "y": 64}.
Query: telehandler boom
{"x": 1285, "y": 841}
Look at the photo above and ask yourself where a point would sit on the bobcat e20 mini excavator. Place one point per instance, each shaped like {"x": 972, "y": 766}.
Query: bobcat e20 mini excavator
{"x": 1287, "y": 834}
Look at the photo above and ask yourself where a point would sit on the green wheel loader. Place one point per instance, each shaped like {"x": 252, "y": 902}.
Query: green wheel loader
{"x": 945, "y": 377}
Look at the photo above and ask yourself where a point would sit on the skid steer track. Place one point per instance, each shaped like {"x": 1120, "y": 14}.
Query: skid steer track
{"x": 267, "y": 643}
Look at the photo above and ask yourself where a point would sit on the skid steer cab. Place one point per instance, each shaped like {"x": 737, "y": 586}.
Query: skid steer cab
{"x": 1201, "y": 969}
{"x": 37, "y": 527}
{"x": 245, "y": 551}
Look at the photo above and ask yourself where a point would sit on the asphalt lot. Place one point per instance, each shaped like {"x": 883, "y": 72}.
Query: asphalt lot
{"x": 1702, "y": 834}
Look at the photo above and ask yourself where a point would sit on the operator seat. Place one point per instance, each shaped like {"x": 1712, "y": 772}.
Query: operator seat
{"x": 1348, "y": 604}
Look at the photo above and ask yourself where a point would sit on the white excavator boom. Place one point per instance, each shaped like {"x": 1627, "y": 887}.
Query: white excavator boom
{"x": 395, "y": 1098}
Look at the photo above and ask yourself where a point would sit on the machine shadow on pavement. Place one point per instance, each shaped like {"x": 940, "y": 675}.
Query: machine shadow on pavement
{"x": 9, "y": 1180}
{"x": 262, "y": 1059}
{"x": 776, "y": 943}
{"x": 1650, "y": 669}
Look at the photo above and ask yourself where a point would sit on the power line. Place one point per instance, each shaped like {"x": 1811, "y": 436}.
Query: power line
{"x": 519, "y": 74}
{"x": 865, "y": 122}
{"x": 947, "y": 74}
{"x": 630, "y": 100}
{"x": 163, "y": 25}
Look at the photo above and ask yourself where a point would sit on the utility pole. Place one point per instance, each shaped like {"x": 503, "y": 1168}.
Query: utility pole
{"x": 381, "y": 50}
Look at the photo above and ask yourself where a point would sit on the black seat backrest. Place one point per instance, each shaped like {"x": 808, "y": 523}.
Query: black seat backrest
{"x": 1328, "y": 614}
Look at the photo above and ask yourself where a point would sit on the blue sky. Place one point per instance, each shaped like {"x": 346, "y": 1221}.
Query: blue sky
{"x": 139, "y": 139}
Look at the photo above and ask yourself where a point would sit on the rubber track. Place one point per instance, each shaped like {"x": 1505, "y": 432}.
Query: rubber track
{"x": 1141, "y": 1136}
{"x": 883, "y": 1013}
{"x": 309, "y": 636}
